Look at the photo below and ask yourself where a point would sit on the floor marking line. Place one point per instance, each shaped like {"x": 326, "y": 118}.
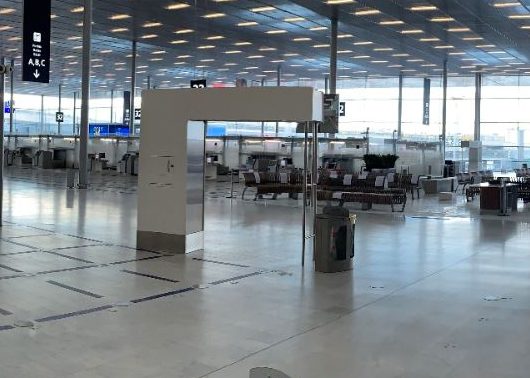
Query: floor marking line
{"x": 18, "y": 253}
{"x": 72, "y": 314}
{"x": 69, "y": 257}
{"x": 11, "y": 269}
{"x": 162, "y": 295}
{"x": 221, "y": 262}
{"x": 235, "y": 278}
{"x": 149, "y": 276}
{"x": 134, "y": 260}
{"x": 5, "y": 312}
{"x": 71, "y": 288}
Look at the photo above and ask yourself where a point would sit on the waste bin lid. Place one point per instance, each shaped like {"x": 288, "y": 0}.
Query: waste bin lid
{"x": 336, "y": 211}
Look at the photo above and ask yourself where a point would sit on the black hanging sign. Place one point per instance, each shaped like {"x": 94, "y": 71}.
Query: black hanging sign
{"x": 342, "y": 109}
{"x": 198, "y": 83}
{"x": 36, "y": 41}
{"x": 59, "y": 117}
{"x": 126, "y": 108}
{"x": 137, "y": 114}
{"x": 426, "y": 101}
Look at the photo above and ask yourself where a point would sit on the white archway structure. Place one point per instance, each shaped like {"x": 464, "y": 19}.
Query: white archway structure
{"x": 171, "y": 176}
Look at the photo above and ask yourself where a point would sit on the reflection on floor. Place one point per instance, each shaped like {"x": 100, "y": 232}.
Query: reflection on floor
{"x": 439, "y": 292}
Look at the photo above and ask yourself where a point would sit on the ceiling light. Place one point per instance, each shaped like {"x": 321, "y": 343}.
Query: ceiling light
{"x": 400, "y": 55}
{"x": 301, "y": 39}
{"x": 336, "y": 2}
{"x": 149, "y": 36}
{"x": 276, "y": 31}
{"x": 458, "y": 30}
{"x": 119, "y": 17}
{"x": 262, "y": 9}
{"x": 233, "y": 52}
{"x": 519, "y": 16}
{"x": 472, "y": 38}
{"x": 7, "y": 10}
{"x": 176, "y": 6}
{"x": 361, "y": 57}
{"x": 294, "y": 19}
{"x": 444, "y": 47}
{"x": 321, "y": 46}
{"x": 507, "y": 5}
{"x": 247, "y": 23}
{"x": 119, "y": 30}
{"x": 318, "y": 28}
{"x": 159, "y": 52}
{"x": 242, "y": 43}
{"x": 442, "y": 19}
{"x": 204, "y": 47}
{"x": 214, "y": 37}
{"x": 183, "y": 31}
{"x": 412, "y": 31}
{"x": 267, "y": 49}
{"x": 213, "y": 15}
{"x": 77, "y": 9}
{"x": 290, "y": 54}
{"x": 363, "y": 43}
{"x": 422, "y": 8}
{"x": 383, "y": 49}
{"x": 391, "y": 22}
{"x": 255, "y": 57}
{"x": 151, "y": 24}
{"x": 183, "y": 56}
{"x": 178, "y": 42}
{"x": 430, "y": 39}
{"x": 366, "y": 12}
{"x": 342, "y": 36}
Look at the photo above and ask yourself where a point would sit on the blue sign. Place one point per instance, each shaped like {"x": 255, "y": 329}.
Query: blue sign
{"x": 7, "y": 107}
{"x": 215, "y": 131}
{"x": 107, "y": 130}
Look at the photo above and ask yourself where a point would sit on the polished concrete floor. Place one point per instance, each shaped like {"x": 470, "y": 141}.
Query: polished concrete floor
{"x": 434, "y": 293}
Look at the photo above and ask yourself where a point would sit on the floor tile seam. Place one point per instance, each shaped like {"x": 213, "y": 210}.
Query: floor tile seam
{"x": 341, "y": 316}
{"x": 115, "y": 304}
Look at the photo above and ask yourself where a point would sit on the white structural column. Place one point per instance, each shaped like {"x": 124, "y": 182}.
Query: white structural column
{"x": 11, "y": 95}
{"x": 133, "y": 87}
{"x": 171, "y": 177}
{"x": 475, "y": 147}
{"x": 444, "y": 111}
{"x": 400, "y": 106}
{"x": 2, "y": 85}
{"x": 60, "y": 107}
{"x": 85, "y": 95}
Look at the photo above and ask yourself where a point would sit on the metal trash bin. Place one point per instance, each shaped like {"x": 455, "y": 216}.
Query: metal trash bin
{"x": 335, "y": 240}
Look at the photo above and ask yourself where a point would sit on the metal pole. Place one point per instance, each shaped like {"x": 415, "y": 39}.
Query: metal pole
{"x": 333, "y": 53}
{"x": 85, "y": 95}
{"x": 60, "y": 98}
{"x": 478, "y": 99}
{"x": 262, "y": 123}
{"x": 326, "y": 84}
{"x": 278, "y": 83}
{"x": 314, "y": 182}
{"x": 133, "y": 88}
{"x": 148, "y": 81}
{"x": 74, "y": 131}
{"x": 112, "y": 106}
{"x": 400, "y": 106}
{"x": 11, "y": 95}
{"x": 2, "y": 84}
{"x": 42, "y": 114}
{"x": 304, "y": 193}
{"x": 444, "y": 110}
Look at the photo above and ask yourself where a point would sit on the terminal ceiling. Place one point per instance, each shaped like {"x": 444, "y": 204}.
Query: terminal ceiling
{"x": 227, "y": 39}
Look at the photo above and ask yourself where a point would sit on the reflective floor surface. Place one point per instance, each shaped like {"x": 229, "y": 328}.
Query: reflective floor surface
{"x": 440, "y": 295}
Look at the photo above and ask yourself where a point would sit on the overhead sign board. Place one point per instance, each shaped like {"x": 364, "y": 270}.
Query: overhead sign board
{"x": 36, "y": 41}
{"x": 426, "y": 101}
{"x": 198, "y": 83}
{"x": 59, "y": 117}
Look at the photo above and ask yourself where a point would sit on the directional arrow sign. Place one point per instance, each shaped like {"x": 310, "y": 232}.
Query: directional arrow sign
{"x": 36, "y": 41}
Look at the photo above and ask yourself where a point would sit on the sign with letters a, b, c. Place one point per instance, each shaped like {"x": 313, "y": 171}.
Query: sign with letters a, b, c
{"x": 36, "y": 41}
{"x": 198, "y": 83}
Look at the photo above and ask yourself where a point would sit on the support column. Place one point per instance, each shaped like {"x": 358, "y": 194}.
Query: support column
{"x": 11, "y": 95}
{"x": 278, "y": 83}
{"x": 42, "y": 115}
{"x": 444, "y": 111}
{"x": 326, "y": 84}
{"x": 133, "y": 87}
{"x": 148, "y": 82}
{"x": 74, "y": 131}
{"x": 262, "y": 123}
{"x": 2, "y": 85}
{"x": 59, "y": 109}
{"x": 478, "y": 99}
{"x": 400, "y": 107}
{"x": 85, "y": 95}
{"x": 112, "y": 106}
{"x": 333, "y": 53}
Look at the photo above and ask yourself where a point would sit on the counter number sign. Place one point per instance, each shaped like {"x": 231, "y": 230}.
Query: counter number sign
{"x": 36, "y": 41}
{"x": 59, "y": 117}
{"x": 137, "y": 114}
{"x": 342, "y": 109}
{"x": 198, "y": 84}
